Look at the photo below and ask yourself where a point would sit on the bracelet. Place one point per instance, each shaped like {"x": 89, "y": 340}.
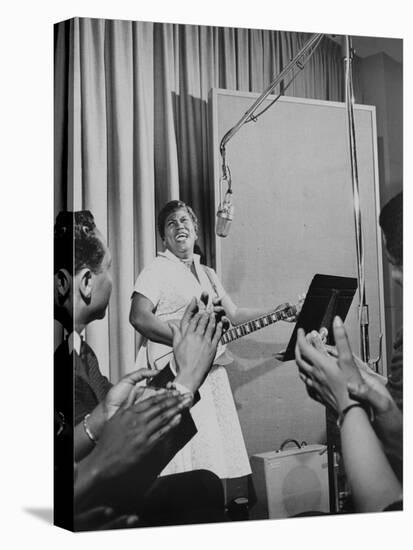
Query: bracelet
{"x": 88, "y": 432}
{"x": 344, "y": 412}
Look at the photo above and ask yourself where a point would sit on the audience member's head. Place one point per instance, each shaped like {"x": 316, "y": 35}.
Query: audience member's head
{"x": 391, "y": 222}
{"x": 170, "y": 208}
{"x": 82, "y": 262}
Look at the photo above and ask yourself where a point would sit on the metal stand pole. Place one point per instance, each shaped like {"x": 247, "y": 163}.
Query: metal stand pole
{"x": 363, "y": 307}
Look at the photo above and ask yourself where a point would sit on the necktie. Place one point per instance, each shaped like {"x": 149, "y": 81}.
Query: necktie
{"x": 89, "y": 370}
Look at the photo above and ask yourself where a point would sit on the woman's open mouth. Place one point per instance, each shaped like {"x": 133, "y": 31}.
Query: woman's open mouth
{"x": 181, "y": 236}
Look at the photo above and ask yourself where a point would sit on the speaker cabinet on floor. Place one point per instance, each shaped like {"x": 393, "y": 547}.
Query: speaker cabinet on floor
{"x": 291, "y": 482}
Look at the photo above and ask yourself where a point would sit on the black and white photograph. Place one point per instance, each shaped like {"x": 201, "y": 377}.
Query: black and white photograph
{"x": 218, "y": 191}
{"x": 228, "y": 268}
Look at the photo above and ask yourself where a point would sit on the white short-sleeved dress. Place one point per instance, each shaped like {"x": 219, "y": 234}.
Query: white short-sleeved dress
{"x": 218, "y": 445}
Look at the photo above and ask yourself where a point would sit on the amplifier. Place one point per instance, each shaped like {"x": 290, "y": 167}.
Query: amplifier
{"x": 290, "y": 482}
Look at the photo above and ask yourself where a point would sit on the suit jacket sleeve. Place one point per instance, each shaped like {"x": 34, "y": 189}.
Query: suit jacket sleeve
{"x": 186, "y": 429}
{"x": 151, "y": 466}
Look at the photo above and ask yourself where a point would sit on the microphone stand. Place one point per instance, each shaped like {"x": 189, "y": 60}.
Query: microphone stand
{"x": 363, "y": 307}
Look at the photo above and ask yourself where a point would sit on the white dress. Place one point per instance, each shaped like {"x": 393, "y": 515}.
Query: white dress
{"x": 218, "y": 445}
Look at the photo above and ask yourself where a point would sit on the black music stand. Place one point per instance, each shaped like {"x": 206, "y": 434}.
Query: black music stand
{"x": 327, "y": 296}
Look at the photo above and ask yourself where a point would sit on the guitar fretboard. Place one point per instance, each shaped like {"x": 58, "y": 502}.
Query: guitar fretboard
{"x": 256, "y": 324}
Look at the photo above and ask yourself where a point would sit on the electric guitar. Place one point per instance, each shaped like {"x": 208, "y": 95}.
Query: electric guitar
{"x": 159, "y": 355}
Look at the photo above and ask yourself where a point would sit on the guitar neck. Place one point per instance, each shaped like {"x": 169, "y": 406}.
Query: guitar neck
{"x": 244, "y": 329}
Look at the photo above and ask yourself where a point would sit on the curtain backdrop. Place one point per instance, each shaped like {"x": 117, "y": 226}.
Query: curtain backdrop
{"x": 131, "y": 132}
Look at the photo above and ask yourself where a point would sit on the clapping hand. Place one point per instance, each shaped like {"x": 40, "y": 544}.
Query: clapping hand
{"x": 326, "y": 378}
{"x": 371, "y": 391}
{"x": 362, "y": 385}
{"x": 215, "y": 307}
{"x": 133, "y": 431}
{"x": 195, "y": 343}
{"x": 120, "y": 393}
{"x": 125, "y": 392}
{"x": 124, "y": 450}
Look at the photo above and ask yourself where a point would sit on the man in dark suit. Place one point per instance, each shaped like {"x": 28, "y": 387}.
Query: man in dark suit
{"x": 118, "y": 437}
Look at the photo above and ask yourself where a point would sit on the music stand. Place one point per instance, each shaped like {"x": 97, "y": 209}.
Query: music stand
{"x": 327, "y": 296}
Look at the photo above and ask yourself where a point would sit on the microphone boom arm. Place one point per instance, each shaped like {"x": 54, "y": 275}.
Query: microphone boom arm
{"x": 248, "y": 115}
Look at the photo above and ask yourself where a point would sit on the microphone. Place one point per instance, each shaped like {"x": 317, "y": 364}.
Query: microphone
{"x": 225, "y": 215}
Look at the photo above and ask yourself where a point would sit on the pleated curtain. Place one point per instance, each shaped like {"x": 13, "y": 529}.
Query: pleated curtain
{"x": 132, "y": 132}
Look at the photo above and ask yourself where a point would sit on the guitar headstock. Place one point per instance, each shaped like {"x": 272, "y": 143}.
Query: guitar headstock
{"x": 288, "y": 312}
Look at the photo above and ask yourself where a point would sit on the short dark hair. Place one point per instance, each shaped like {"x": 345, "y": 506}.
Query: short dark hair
{"x": 169, "y": 208}
{"x": 391, "y": 222}
{"x": 76, "y": 242}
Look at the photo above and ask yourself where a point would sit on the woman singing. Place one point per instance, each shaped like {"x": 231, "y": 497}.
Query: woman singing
{"x": 161, "y": 293}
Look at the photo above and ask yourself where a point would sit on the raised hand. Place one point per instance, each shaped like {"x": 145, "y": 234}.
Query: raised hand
{"x": 326, "y": 377}
{"x": 125, "y": 392}
{"x": 308, "y": 373}
{"x": 190, "y": 311}
{"x": 195, "y": 344}
{"x": 345, "y": 355}
{"x": 203, "y": 300}
{"x": 388, "y": 419}
{"x": 215, "y": 307}
{"x": 133, "y": 431}
{"x": 119, "y": 394}
{"x": 373, "y": 392}
{"x": 124, "y": 450}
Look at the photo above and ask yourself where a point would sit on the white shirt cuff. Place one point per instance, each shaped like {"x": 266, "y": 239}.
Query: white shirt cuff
{"x": 173, "y": 366}
{"x": 179, "y": 387}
